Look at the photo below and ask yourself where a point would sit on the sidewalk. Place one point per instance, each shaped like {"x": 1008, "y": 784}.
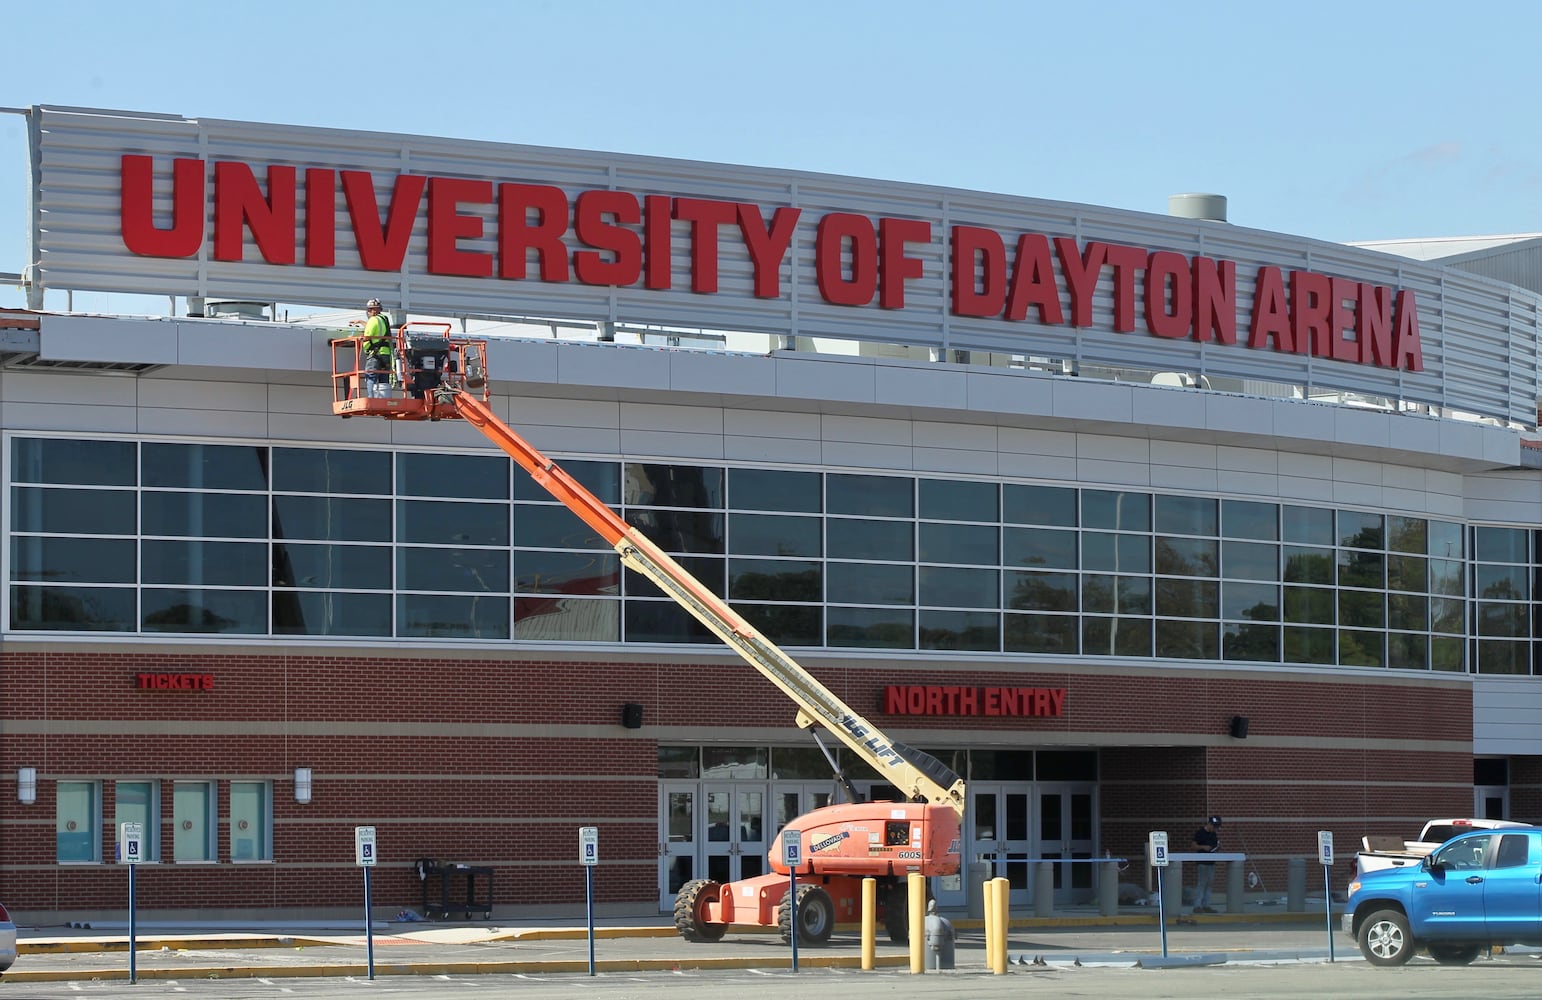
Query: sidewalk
{"x": 56, "y": 954}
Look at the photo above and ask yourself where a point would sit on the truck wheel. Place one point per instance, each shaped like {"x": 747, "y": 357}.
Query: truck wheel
{"x": 1385, "y": 938}
{"x": 690, "y": 910}
{"x": 1455, "y": 954}
{"x": 816, "y": 916}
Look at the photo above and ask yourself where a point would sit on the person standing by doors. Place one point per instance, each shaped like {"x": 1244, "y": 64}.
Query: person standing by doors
{"x": 1207, "y": 840}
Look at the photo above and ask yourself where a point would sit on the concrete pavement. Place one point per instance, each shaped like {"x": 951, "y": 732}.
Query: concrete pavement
{"x": 449, "y": 948}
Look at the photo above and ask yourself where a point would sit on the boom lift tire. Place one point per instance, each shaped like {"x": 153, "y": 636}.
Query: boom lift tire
{"x": 689, "y": 907}
{"x": 816, "y": 916}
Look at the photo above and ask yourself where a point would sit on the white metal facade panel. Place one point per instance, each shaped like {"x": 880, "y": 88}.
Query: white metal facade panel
{"x": 1479, "y": 336}
{"x": 1504, "y": 715}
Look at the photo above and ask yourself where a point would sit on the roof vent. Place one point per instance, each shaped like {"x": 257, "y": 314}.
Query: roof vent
{"x": 231, "y": 309}
{"x": 1210, "y": 207}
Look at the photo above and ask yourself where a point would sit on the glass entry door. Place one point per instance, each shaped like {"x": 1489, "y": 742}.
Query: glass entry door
{"x": 999, "y": 825}
{"x": 677, "y": 839}
{"x": 1065, "y": 830}
{"x": 734, "y": 832}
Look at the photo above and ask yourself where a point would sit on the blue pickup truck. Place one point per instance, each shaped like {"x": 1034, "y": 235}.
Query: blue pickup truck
{"x": 1473, "y": 892}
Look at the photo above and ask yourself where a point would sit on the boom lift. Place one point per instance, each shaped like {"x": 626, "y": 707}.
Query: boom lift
{"x": 439, "y": 376}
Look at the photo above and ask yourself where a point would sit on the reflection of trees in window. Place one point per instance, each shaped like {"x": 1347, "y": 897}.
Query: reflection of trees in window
{"x": 1042, "y": 591}
{"x": 1409, "y": 534}
{"x": 1187, "y": 640}
{"x": 1362, "y": 649}
{"x": 1041, "y": 634}
{"x": 1186, "y": 556}
{"x": 1253, "y": 642}
{"x": 1308, "y": 566}
{"x": 1362, "y": 569}
{"x": 792, "y": 584}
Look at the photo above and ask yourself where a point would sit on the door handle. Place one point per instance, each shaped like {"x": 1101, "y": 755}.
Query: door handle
{"x": 1474, "y": 880}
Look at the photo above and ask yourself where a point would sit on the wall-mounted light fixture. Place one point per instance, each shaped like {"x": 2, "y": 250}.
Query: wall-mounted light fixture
{"x": 302, "y": 784}
{"x": 26, "y": 784}
{"x": 1239, "y": 727}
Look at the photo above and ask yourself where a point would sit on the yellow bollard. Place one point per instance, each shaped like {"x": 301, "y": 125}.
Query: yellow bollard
{"x": 916, "y": 919}
{"x": 1003, "y": 924}
{"x": 988, "y": 907}
{"x": 869, "y": 923}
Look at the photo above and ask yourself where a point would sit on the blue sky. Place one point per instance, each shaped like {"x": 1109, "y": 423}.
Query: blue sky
{"x": 1350, "y": 120}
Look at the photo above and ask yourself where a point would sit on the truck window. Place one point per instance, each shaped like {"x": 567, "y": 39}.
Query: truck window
{"x": 1463, "y": 855}
{"x": 1513, "y": 850}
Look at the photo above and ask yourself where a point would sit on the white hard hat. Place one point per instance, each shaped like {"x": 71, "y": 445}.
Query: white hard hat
{"x": 372, "y": 304}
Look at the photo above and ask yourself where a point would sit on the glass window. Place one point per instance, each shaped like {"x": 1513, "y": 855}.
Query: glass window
{"x": 683, "y": 762}
{"x": 1309, "y": 605}
{"x": 548, "y": 526}
{"x": 1446, "y": 577}
{"x": 1504, "y": 583}
{"x": 1362, "y": 569}
{"x": 440, "y": 522}
{"x": 1000, "y": 765}
{"x": 205, "y": 466}
{"x": 332, "y": 519}
{"x": 187, "y": 609}
{"x": 1498, "y": 656}
{"x": 1056, "y": 634}
{"x": 476, "y": 571}
{"x": 871, "y": 496}
{"x": 1044, "y": 547}
{"x": 953, "y": 587}
{"x": 959, "y": 500}
{"x": 1408, "y": 534}
{"x": 1250, "y": 642}
{"x": 1250, "y": 560}
{"x": 1051, "y": 505}
{"x": 331, "y": 470}
{"x": 251, "y": 825}
{"x": 74, "y": 462}
{"x": 1116, "y": 511}
{"x": 765, "y": 489}
{"x": 1446, "y": 540}
{"x": 1259, "y": 602}
{"x": 1187, "y": 640}
{"x": 774, "y": 580}
{"x": 1116, "y": 553}
{"x": 1510, "y": 545}
{"x": 966, "y": 630}
{"x": 1308, "y": 566}
{"x": 1116, "y": 636}
{"x": 74, "y": 609}
{"x": 786, "y": 625}
{"x": 1410, "y": 573}
{"x": 459, "y": 477}
{"x": 1026, "y": 591}
{"x": 977, "y": 544}
{"x": 444, "y": 616}
{"x": 345, "y": 567}
{"x": 853, "y": 539}
{"x": 774, "y": 535}
{"x": 78, "y": 821}
{"x": 1408, "y": 651}
{"x": 1408, "y": 611}
{"x": 1500, "y": 619}
{"x": 592, "y": 573}
{"x": 652, "y": 485}
{"x": 1116, "y": 594}
{"x": 197, "y": 563}
{"x": 73, "y": 560}
{"x": 1308, "y": 525}
{"x": 567, "y": 619}
{"x": 1187, "y": 556}
{"x": 1308, "y": 645}
{"x": 331, "y": 613}
{"x": 680, "y": 530}
{"x": 139, "y": 802}
{"x": 663, "y": 621}
{"x": 1186, "y": 515}
{"x": 90, "y": 512}
{"x": 749, "y": 763}
{"x": 869, "y": 583}
{"x": 1448, "y": 615}
{"x": 1362, "y": 649}
{"x": 192, "y": 821}
{"x": 1361, "y": 530}
{"x": 1250, "y": 519}
{"x": 1365, "y": 609}
{"x": 603, "y": 479}
{"x": 871, "y": 628}
{"x": 205, "y": 515}
{"x": 1187, "y": 599}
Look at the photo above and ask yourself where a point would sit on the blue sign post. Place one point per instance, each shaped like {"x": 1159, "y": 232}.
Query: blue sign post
{"x": 792, "y": 857}
{"x": 589, "y": 855}
{"x": 130, "y": 852}
{"x": 364, "y": 855}
{"x": 1160, "y": 861}
{"x": 1325, "y": 856}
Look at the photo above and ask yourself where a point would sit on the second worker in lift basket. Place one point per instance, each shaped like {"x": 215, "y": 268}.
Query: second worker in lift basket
{"x": 376, "y": 349}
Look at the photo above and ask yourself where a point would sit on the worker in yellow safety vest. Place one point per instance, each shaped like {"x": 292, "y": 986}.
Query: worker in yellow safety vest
{"x": 376, "y": 349}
